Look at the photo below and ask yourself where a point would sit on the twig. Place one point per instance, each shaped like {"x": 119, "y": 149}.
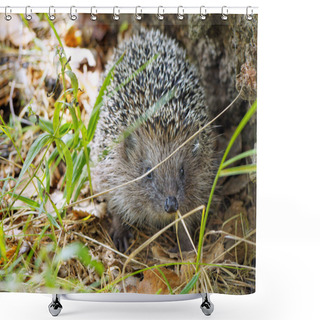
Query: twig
{"x": 187, "y": 231}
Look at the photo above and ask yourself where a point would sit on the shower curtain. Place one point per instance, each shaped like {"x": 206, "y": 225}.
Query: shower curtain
{"x": 128, "y": 153}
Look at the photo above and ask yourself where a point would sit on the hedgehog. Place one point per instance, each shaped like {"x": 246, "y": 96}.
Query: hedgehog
{"x": 184, "y": 181}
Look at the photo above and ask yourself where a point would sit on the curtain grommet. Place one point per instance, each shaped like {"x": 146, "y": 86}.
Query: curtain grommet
{"x": 180, "y": 14}
{"x": 224, "y": 13}
{"x": 51, "y": 15}
{"x": 203, "y": 13}
{"x": 138, "y": 14}
{"x": 93, "y": 16}
{"x": 7, "y": 16}
{"x": 73, "y": 13}
{"x": 116, "y": 13}
{"x": 249, "y": 15}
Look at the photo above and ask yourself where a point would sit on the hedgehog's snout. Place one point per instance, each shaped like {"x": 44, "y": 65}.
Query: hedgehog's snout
{"x": 171, "y": 205}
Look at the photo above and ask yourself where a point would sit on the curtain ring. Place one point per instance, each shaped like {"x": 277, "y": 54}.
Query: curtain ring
{"x": 93, "y": 16}
{"x": 224, "y": 13}
{"x": 116, "y": 15}
{"x": 249, "y": 16}
{"x": 27, "y": 15}
{"x": 7, "y": 16}
{"x": 51, "y": 15}
{"x": 73, "y": 16}
{"x": 138, "y": 15}
{"x": 160, "y": 15}
{"x": 203, "y": 12}
{"x": 180, "y": 13}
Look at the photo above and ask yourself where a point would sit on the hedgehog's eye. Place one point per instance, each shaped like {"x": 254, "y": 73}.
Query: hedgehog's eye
{"x": 181, "y": 172}
{"x": 150, "y": 174}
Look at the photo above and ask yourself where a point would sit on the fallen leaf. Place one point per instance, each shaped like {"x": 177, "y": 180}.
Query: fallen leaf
{"x": 235, "y": 184}
{"x": 153, "y": 281}
{"x": 86, "y": 209}
{"x": 9, "y": 254}
{"x": 73, "y": 37}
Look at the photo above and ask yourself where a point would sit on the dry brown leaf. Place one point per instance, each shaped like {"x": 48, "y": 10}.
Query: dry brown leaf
{"x": 153, "y": 281}
{"x": 73, "y": 37}
{"x": 214, "y": 253}
{"x": 86, "y": 208}
{"x": 163, "y": 255}
{"x": 9, "y": 254}
{"x": 239, "y": 226}
{"x": 234, "y": 225}
{"x": 234, "y": 184}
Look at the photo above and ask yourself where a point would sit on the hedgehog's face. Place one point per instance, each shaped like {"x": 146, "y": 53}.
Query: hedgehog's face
{"x": 177, "y": 184}
{"x": 165, "y": 186}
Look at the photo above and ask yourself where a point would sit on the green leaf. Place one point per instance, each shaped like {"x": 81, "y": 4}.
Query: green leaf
{"x": 190, "y": 284}
{"x": 47, "y": 175}
{"x": 56, "y": 118}
{"x": 44, "y": 124}
{"x": 65, "y": 128}
{"x": 3, "y": 251}
{"x": 74, "y": 82}
{"x": 83, "y": 179}
{"x": 75, "y": 124}
{"x": 79, "y": 163}
{"x": 34, "y": 150}
{"x": 69, "y": 170}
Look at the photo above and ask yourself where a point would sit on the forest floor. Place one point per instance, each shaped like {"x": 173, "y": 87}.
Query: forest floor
{"x": 52, "y": 238}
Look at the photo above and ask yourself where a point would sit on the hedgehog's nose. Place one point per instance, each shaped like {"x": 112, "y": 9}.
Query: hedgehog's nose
{"x": 171, "y": 205}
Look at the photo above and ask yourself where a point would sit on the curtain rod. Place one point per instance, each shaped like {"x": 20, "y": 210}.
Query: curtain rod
{"x": 130, "y": 10}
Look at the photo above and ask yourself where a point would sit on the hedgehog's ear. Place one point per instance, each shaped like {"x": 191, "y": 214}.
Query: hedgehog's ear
{"x": 129, "y": 145}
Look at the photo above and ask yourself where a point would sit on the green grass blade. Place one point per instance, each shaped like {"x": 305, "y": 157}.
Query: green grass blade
{"x": 34, "y": 150}
{"x": 54, "y": 30}
{"x": 190, "y": 284}
{"x": 52, "y": 220}
{"x": 240, "y": 156}
{"x": 249, "y": 168}
{"x": 29, "y": 202}
{"x": 69, "y": 167}
{"x": 44, "y": 124}
{"x": 94, "y": 117}
{"x": 148, "y": 114}
{"x": 165, "y": 280}
{"x": 3, "y": 251}
{"x": 79, "y": 163}
{"x": 56, "y": 118}
{"x": 128, "y": 79}
{"x": 74, "y": 83}
{"x": 82, "y": 180}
